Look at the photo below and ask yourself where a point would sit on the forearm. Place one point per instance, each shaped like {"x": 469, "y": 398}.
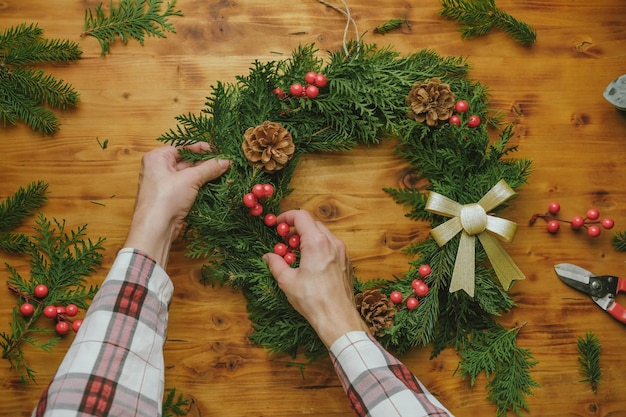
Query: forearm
{"x": 377, "y": 384}
{"x": 115, "y": 364}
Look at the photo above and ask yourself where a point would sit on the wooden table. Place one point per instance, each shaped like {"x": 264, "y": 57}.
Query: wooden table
{"x": 553, "y": 91}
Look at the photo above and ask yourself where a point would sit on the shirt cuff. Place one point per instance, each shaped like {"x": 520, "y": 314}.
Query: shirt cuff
{"x": 135, "y": 261}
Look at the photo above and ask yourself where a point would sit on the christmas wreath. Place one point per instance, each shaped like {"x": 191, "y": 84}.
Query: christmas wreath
{"x": 281, "y": 110}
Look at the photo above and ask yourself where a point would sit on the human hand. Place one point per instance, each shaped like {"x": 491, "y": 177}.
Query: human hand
{"x": 321, "y": 288}
{"x": 168, "y": 186}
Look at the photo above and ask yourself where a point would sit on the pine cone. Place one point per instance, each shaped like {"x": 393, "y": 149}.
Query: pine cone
{"x": 376, "y": 309}
{"x": 268, "y": 146}
{"x": 430, "y": 102}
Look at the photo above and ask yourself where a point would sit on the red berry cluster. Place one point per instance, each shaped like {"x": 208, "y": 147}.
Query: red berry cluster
{"x": 461, "y": 107}
{"x": 252, "y": 200}
{"x": 590, "y": 222}
{"x": 311, "y": 89}
{"x": 59, "y": 313}
{"x": 419, "y": 290}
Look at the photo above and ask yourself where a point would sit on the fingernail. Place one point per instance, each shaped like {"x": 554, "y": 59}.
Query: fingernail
{"x": 224, "y": 163}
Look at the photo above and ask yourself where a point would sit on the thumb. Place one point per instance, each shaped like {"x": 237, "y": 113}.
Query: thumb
{"x": 278, "y": 267}
{"x": 211, "y": 169}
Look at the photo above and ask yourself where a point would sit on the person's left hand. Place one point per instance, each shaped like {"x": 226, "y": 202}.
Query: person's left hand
{"x": 168, "y": 187}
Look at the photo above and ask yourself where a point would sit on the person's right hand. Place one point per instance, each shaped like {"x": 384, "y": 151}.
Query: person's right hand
{"x": 321, "y": 288}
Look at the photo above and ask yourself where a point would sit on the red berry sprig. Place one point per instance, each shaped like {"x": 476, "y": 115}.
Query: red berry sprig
{"x": 590, "y": 221}
{"x": 460, "y": 108}
{"x": 58, "y": 313}
{"x": 419, "y": 289}
{"x": 311, "y": 88}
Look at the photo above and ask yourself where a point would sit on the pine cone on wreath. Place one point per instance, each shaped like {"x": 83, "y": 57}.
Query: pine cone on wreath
{"x": 430, "y": 102}
{"x": 268, "y": 146}
{"x": 376, "y": 309}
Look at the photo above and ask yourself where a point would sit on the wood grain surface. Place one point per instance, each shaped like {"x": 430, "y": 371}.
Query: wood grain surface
{"x": 551, "y": 90}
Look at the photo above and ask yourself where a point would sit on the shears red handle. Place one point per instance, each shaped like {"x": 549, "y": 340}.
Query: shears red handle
{"x": 615, "y": 309}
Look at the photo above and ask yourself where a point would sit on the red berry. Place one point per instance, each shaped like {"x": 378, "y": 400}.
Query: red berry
{"x": 608, "y": 223}
{"x": 27, "y": 309}
{"x": 310, "y": 77}
{"x": 41, "y": 291}
{"x": 249, "y": 200}
{"x": 270, "y": 220}
{"x": 461, "y": 106}
{"x": 258, "y": 191}
{"x": 76, "y": 325}
{"x": 412, "y": 303}
{"x": 594, "y": 231}
{"x": 554, "y": 207}
{"x": 455, "y": 120}
{"x": 593, "y": 214}
{"x": 416, "y": 283}
{"x": 474, "y": 121}
{"x": 60, "y": 310}
{"x": 320, "y": 80}
{"x": 71, "y": 310}
{"x": 424, "y": 270}
{"x": 281, "y": 249}
{"x": 577, "y": 222}
{"x": 279, "y": 92}
{"x": 296, "y": 90}
{"x": 62, "y": 327}
{"x": 283, "y": 229}
{"x": 294, "y": 241}
{"x": 50, "y": 312}
{"x": 289, "y": 257}
{"x": 312, "y": 91}
{"x": 256, "y": 210}
{"x": 396, "y": 297}
{"x": 553, "y": 226}
{"x": 421, "y": 290}
{"x": 268, "y": 190}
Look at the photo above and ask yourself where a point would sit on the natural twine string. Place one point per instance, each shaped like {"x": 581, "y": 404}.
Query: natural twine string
{"x": 349, "y": 20}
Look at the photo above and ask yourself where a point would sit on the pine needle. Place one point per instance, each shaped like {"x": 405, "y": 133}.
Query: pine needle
{"x": 131, "y": 19}
{"x": 589, "y": 349}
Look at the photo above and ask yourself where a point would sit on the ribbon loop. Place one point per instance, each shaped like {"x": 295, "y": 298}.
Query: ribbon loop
{"x": 472, "y": 220}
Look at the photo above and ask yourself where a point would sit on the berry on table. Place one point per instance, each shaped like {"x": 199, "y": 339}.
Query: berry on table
{"x": 41, "y": 291}
{"x": 71, "y": 310}
{"x": 553, "y": 226}
{"x": 50, "y": 312}
{"x": 593, "y": 214}
{"x": 461, "y": 106}
{"x": 62, "y": 327}
{"x": 474, "y": 121}
{"x": 412, "y": 303}
{"x": 60, "y": 310}
{"x": 608, "y": 223}
{"x": 554, "y": 207}
{"x": 577, "y": 222}
{"x": 27, "y": 309}
{"x": 396, "y": 297}
{"x": 594, "y": 231}
{"x": 76, "y": 325}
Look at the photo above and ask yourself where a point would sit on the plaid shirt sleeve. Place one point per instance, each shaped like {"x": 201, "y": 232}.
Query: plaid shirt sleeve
{"x": 377, "y": 384}
{"x": 114, "y": 367}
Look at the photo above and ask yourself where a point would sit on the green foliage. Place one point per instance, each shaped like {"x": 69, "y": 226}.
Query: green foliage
{"x": 14, "y": 210}
{"x": 618, "y": 240}
{"x": 26, "y": 93}
{"x": 388, "y": 26}
{"x": 478, "y": 17}
{"x": 62, "y": 260}
{"x": 173, "y": 405}
{"x": 589, "y": 349}
{"x": 494, "y": 351}
{"x": 131, "y": 19}
{"x": 365, "y": 101}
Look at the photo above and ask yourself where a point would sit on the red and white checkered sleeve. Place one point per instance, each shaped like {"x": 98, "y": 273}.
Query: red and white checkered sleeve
{"x": 377, "y": 384}
{"x": 115, "y": 364}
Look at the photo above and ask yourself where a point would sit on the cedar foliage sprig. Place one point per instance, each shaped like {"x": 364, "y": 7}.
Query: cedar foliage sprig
{"x": 174, "y": 405}
{"x": 62, "y": 260}
{"x": 365, "y": 101}
{"x": 26, "y": 93}
{"x": 131, "y": 19}
{"x": 618, "y": 240}
{"x": 388, "y": 26}
{"x": 478, "y": 17}
{"x": 589, "y": 349}
{"x": 14, "y": 210}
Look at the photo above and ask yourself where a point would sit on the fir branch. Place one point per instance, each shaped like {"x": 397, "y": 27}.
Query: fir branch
{"x": 175, "y": 406}
{"x": 389, "y": 25}
{"x": 589, "y": 349}
{"x": 62, "y": 261}
{"x": 478, "y": 17}
{"x": 14, "y": 209}
{"x": 618, "y": 240}
{"x": 131, "y": 19}
{"x": 25, "y": 92}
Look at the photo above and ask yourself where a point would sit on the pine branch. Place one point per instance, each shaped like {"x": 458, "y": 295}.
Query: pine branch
{"x": 589, "y": 350}
{"x": 14, "y": 209}
{"x": 131, "y": 19}
{"x": 618, "y": 240}
{"x": 25, "y": 92}
{"x": 175, "y": 406}
{"x": 478, "y": 17}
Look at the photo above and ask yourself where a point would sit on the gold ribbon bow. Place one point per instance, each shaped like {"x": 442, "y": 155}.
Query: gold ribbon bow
{"x": 472, "y": 220}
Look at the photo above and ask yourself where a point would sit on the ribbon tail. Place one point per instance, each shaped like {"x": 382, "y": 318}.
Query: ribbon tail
{"x": 502, "y": 264}
{"x": 464, "y": 267}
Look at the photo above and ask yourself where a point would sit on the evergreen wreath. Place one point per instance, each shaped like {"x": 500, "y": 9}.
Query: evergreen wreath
{"x": 363, "y": 101}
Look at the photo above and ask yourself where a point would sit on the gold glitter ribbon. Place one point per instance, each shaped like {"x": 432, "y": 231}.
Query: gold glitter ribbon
{"x": 473, "y": 221}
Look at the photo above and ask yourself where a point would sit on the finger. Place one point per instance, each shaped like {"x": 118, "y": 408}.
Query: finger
{"x": 279, "y": 269}
{"x": 208, "y": 170}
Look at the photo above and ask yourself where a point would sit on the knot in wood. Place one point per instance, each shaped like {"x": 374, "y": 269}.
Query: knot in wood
{"x": 473, "y": 219}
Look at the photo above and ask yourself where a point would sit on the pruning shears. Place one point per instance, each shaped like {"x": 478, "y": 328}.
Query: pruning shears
{"x": 601, "y": 288}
